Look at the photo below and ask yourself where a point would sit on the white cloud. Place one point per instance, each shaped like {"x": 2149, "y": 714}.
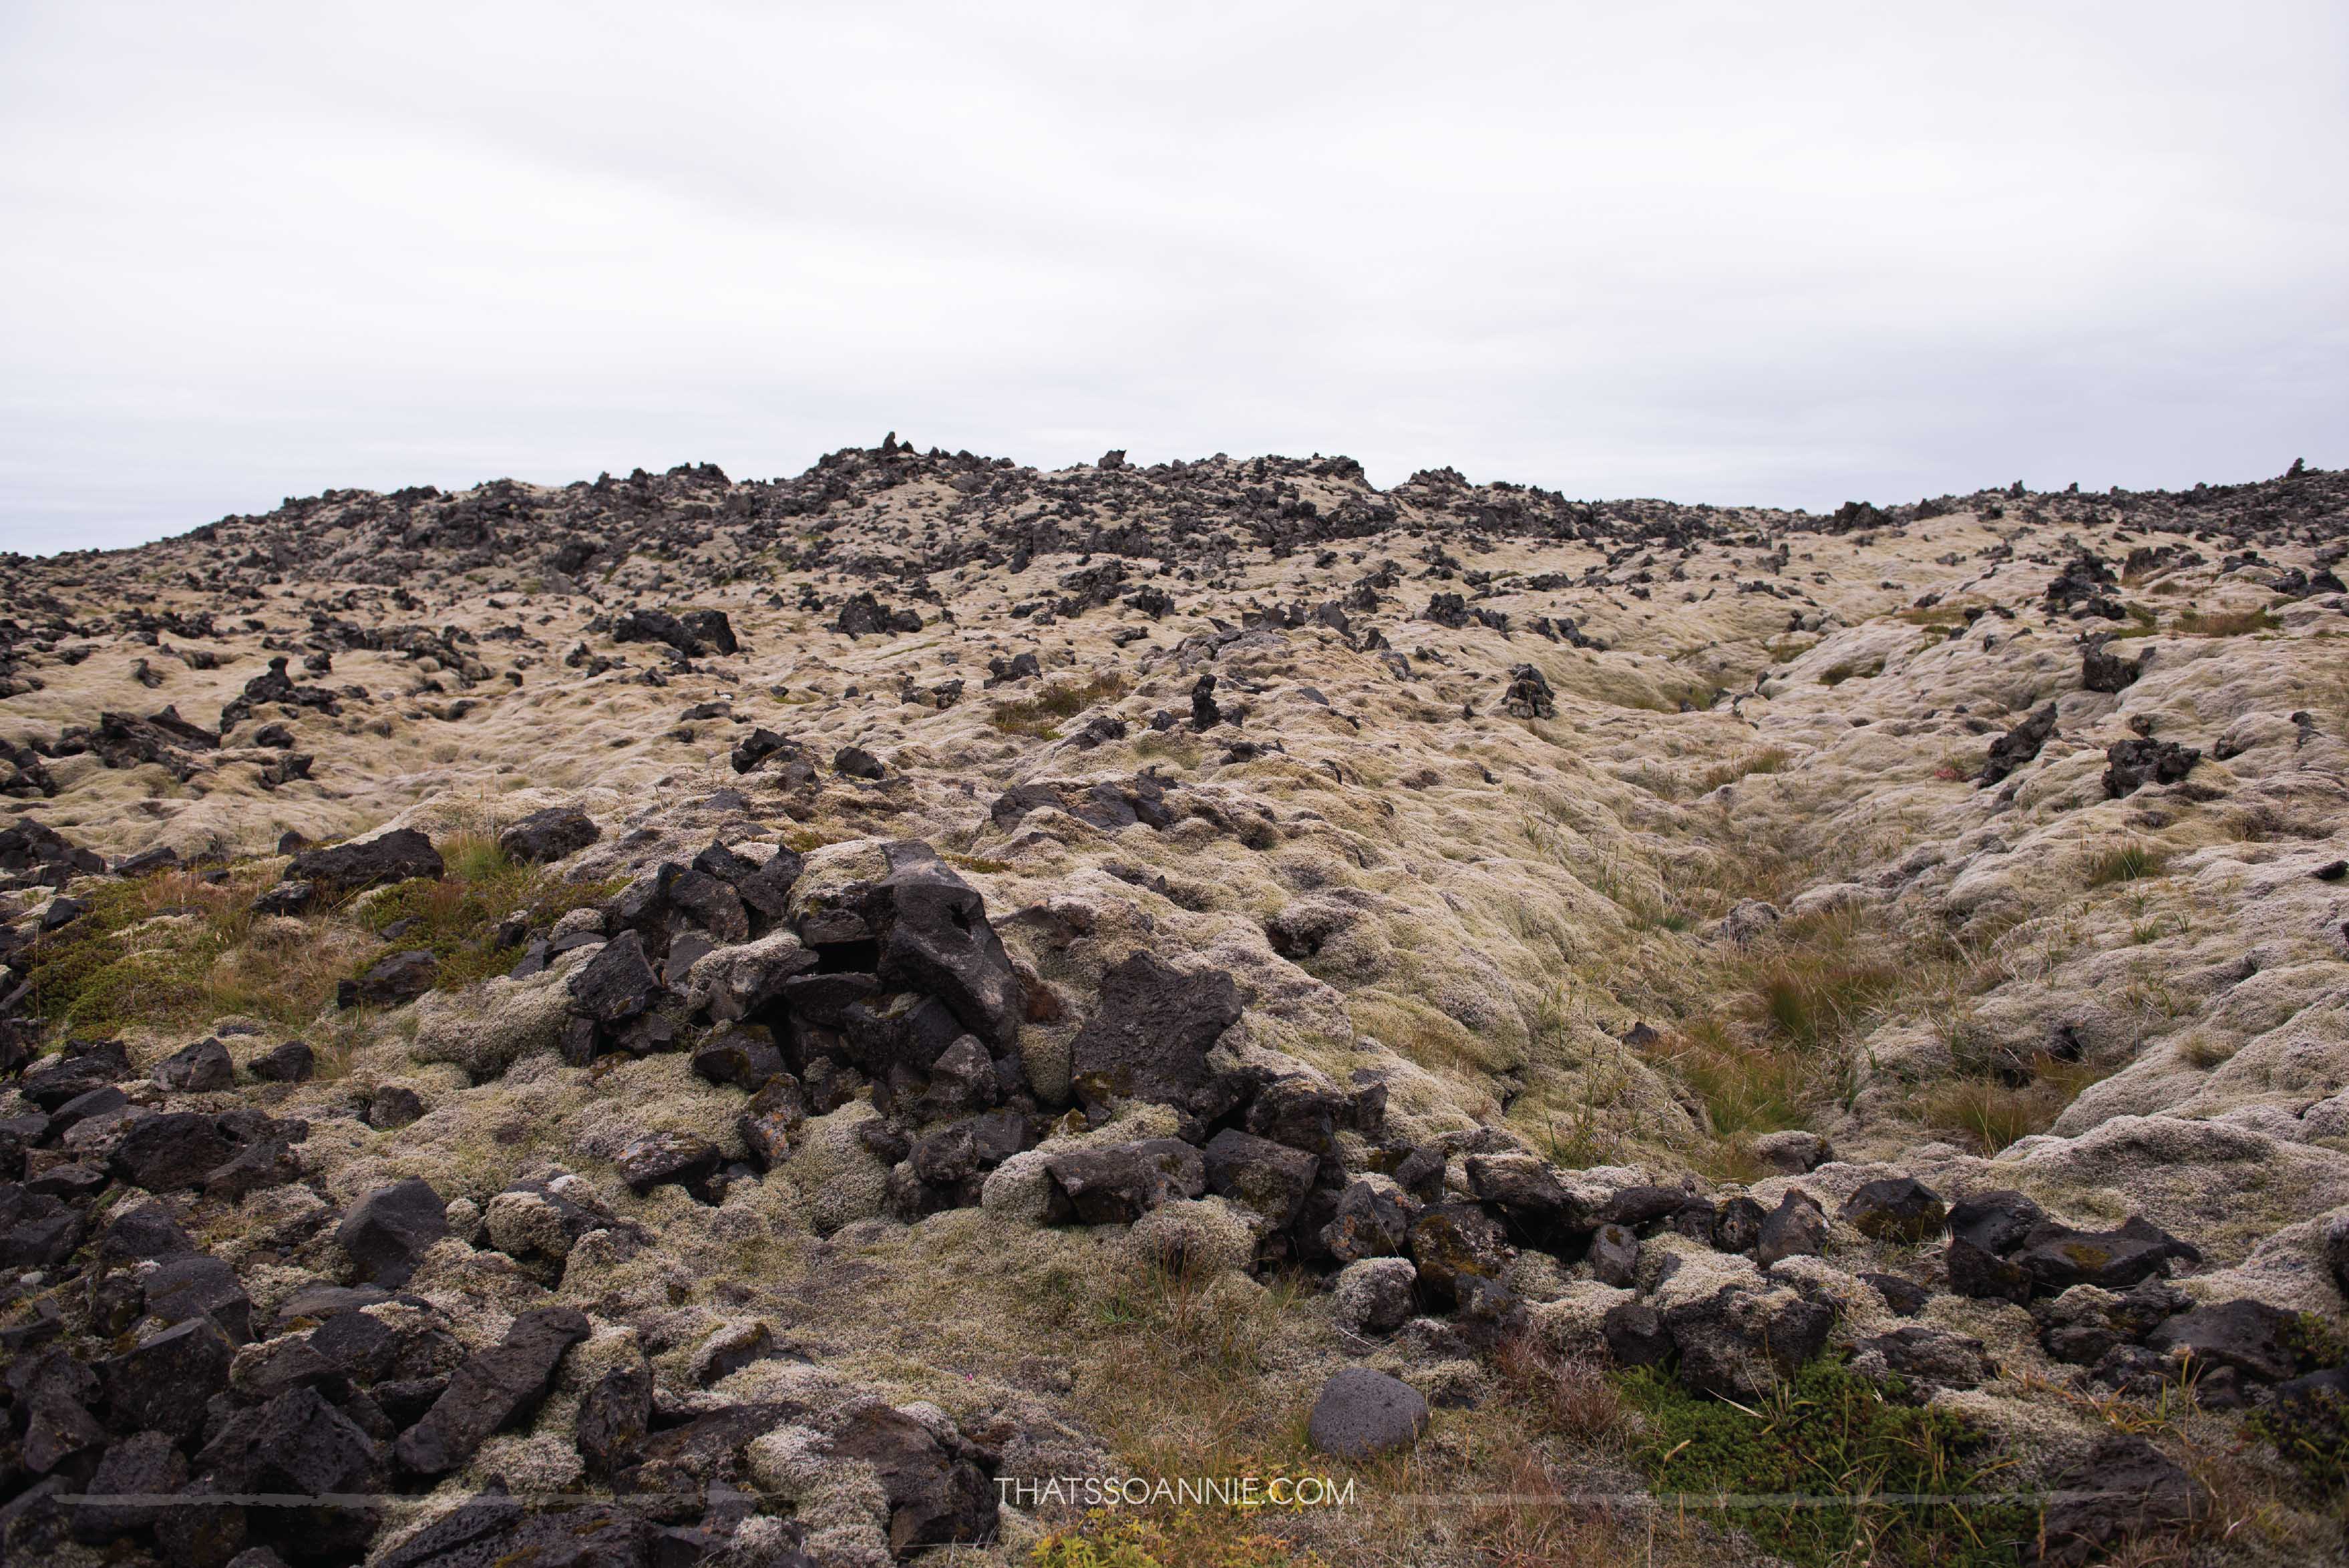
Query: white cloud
{"x": 1788, "y": 253}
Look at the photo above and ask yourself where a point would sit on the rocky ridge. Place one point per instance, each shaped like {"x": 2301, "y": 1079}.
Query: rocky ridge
{"x": 504, "y": 985}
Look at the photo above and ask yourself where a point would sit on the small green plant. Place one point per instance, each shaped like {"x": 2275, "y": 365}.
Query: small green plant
{"x": 456, "y": 918}
{"x": 1035, "y": 716}
{"x": 1076, "y": 1551}
{"x": 1851, "y": 669}
{"x": 979, "y": 863}
{"x": 1831, "y": 1467}
{"x": 2311, "y": 1434}
{"x": 1821, "y": 984}
{"x": 2125, "y": 863}
{"x": 2225, "y": 622}
{"x": 1768, "y": 760}
{"x": 1174, "y": 1538}
{"x": 111, "y": 970}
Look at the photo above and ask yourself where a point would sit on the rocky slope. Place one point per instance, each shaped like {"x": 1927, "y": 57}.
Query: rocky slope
{"x": 678, "y": 1020}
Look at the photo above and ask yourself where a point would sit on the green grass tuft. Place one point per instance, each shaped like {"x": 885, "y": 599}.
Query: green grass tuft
{"x": 1832, "y": 1459}
{"x": 2127, "y": 863}
{"x": 2225, "y": 622}
{"x": 457, "y": 917}
{"x": 1035, "y": 716}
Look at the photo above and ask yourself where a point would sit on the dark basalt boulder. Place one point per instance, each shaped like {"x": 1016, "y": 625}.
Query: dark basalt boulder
{"x": 2125, "y": 1489}
{"x": 165, "y": 1382}
{"x": 771, "y": 1121}
{"x": 197, "y": 1284}
{"x": 1019, "y": 667}
{"x": 1205, "y": 714}
{"x": 391, "y": 982}
{"x": 74, "y": 1073}
{"x": 292, "y": 1062}
{"x": 709, "y": 903}
{"x": 899, "y": 1030}
{"x": 614, "y": 1419}
{"x": 38, "y": 1230}
{"x": 1461, "y": 1254}
{"x": 1905, "y": 1297}
{"x": 266, "y": 1163}
{"x": 142, "y": 1465}
{"x": 1259, "y": 1174}
{"x": 298, "y": 1445}
{"x": 1299, "y": 1111}
{"x": 1636, "y": 1335}
{"x": 199, "y": 1068}
{"x": 855, "y": 762}
{"x": 550, "y": 835}
{"x": 141, "y": 1231}
{"x": 1984, "y": 1232}
{"x": 388, "y": 1233}
{"x": 1737, "y": 1226}
{"x": 739, "y": 1057}
{"x": 393, "y": 1106}
{"x": 764, "y": 889}
{"x": 1361, "y": 1412}
{"x": 494, "y": 1530}
{"x": 694, "y": 633}
{"x": 1370, "y": 1222}
{"x": 711, "y": 629}
{"x": 757, "y": 747}
{"x": 2101, "y": 671}
{"x": 1529, "y": 695}
{"x": 394, "y": 857}
{"x": 2084, "y": 1326}
{"x": 492, "y": 1389}
{"x": 276, "y": 685}
{"x": 940, "y": 1490}
{"x": 662, "y": 1158}
{"x": 1797, "y": 1227}
{"x": 962, "y": 1149}
{"x": 1930, "y": 1358}
{"x": 618, "y": 983}
{"x": 2018, "y": 746}
{"x": 2260, "y": 1343}
{"x": 171, "y": 1150}
{"x": 2058, "y": 1257}
{"x": 1446, "y": 610}
{"x": 124, "y": 741}
{"x": 50, "y": 1396}
{"x": 1897, "y": 1209}
{"x": 1635, "y": 1207}
{"x": 97, "y": 1103}
{"x": 934, "y": 937}
{"x": 1530, "y": 1195}
{"x": 1118, "y": 1184}
{"x": 2131, "y": 764}
{"x": 1150, "y": 1032}
{"x": 1614, "y": 1256}
{"x": 32, "y": 855}
{"x": 1740, "y": 1342}
{"x": 285, "y": 898}
{"x": 962, "y": 1081}
{"x": 863, "y": 616}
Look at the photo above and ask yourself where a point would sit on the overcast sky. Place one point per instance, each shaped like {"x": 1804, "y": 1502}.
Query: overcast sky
{"x": 1791, "y": 253}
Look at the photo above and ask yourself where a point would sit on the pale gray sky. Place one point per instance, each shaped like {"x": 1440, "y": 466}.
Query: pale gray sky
{"x": 1793, "y": 254}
